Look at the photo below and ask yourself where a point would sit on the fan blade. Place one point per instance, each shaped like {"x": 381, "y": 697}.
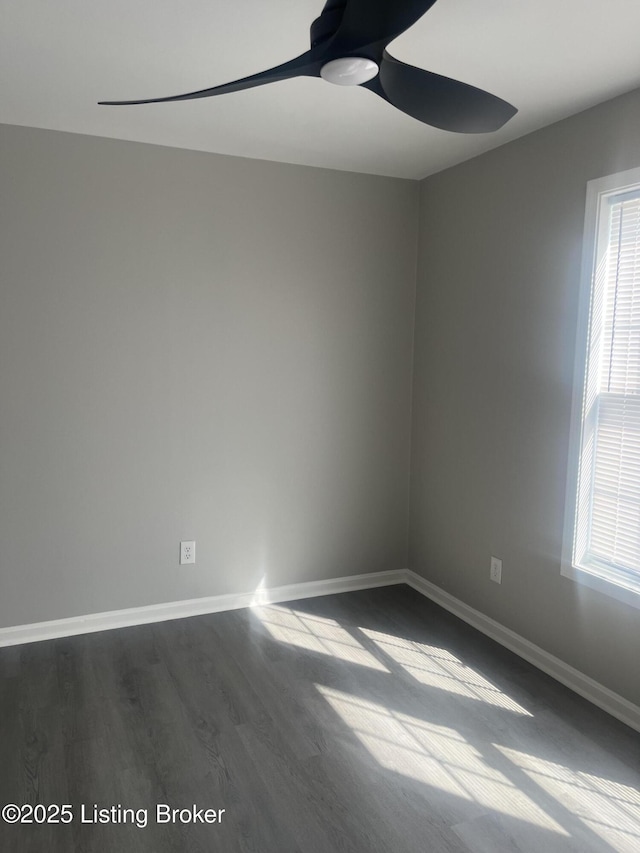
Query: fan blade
{"x": 306, "y": 65}
{"x": 439, "y": 101}
{"x": 365, "y": 22}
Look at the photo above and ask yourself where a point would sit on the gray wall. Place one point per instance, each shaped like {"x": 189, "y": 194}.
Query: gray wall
{"x": 498, "y": 281}
{"x": 197, "y": 347}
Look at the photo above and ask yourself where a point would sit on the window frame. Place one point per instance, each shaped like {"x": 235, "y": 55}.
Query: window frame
{"x": 618, "y": 585}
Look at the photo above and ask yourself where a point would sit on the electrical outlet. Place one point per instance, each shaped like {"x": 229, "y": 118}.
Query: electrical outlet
{"x": 496, "y": 570}
{"x": 187, "y": 552}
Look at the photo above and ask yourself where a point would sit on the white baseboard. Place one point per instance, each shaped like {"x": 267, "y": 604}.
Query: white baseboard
{"x": 596, "y": 693}
{"x": 601, "y": 696}
{"x": 192, "y": 607}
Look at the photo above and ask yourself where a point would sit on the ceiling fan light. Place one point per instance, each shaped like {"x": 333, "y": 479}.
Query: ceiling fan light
{"x": 349, "y": 71}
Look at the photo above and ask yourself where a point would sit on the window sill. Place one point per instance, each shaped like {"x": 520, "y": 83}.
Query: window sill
{"x": 621, "y": 589}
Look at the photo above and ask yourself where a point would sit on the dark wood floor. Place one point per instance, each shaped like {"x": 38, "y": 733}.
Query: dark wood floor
{"x": 370, "y": 721}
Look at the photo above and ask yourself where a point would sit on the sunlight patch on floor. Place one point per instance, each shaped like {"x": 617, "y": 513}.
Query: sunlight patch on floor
{"x": 439, "y": 668}
{"x": 435, "y": 755}
{"x": 315, "y": 634}
{"x": 608, "y": 808}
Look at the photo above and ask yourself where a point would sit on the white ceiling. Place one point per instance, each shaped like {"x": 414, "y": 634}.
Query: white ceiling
{"x": 58, "y": 58}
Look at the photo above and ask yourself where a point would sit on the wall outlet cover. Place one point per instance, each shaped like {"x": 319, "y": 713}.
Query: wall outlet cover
{"x": 496, "y": 570}
{"x": 187, "y": 552}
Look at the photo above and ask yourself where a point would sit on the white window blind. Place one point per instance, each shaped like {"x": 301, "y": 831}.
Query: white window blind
{"x": 607, "y": 523}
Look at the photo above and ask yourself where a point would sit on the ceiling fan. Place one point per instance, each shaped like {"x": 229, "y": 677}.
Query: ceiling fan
{"x": 348, "y": 47}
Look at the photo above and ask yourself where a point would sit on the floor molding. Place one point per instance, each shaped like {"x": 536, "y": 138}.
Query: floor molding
{"x": 577, "y": 681}
{"x": 596, "y": 693}
{"x": 35, "y": 632}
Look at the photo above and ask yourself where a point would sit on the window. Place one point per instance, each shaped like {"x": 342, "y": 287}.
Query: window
{"x": 602, "y": 533}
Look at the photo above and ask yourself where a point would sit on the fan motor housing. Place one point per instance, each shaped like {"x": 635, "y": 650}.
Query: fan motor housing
{"x": 327, "y": 24}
